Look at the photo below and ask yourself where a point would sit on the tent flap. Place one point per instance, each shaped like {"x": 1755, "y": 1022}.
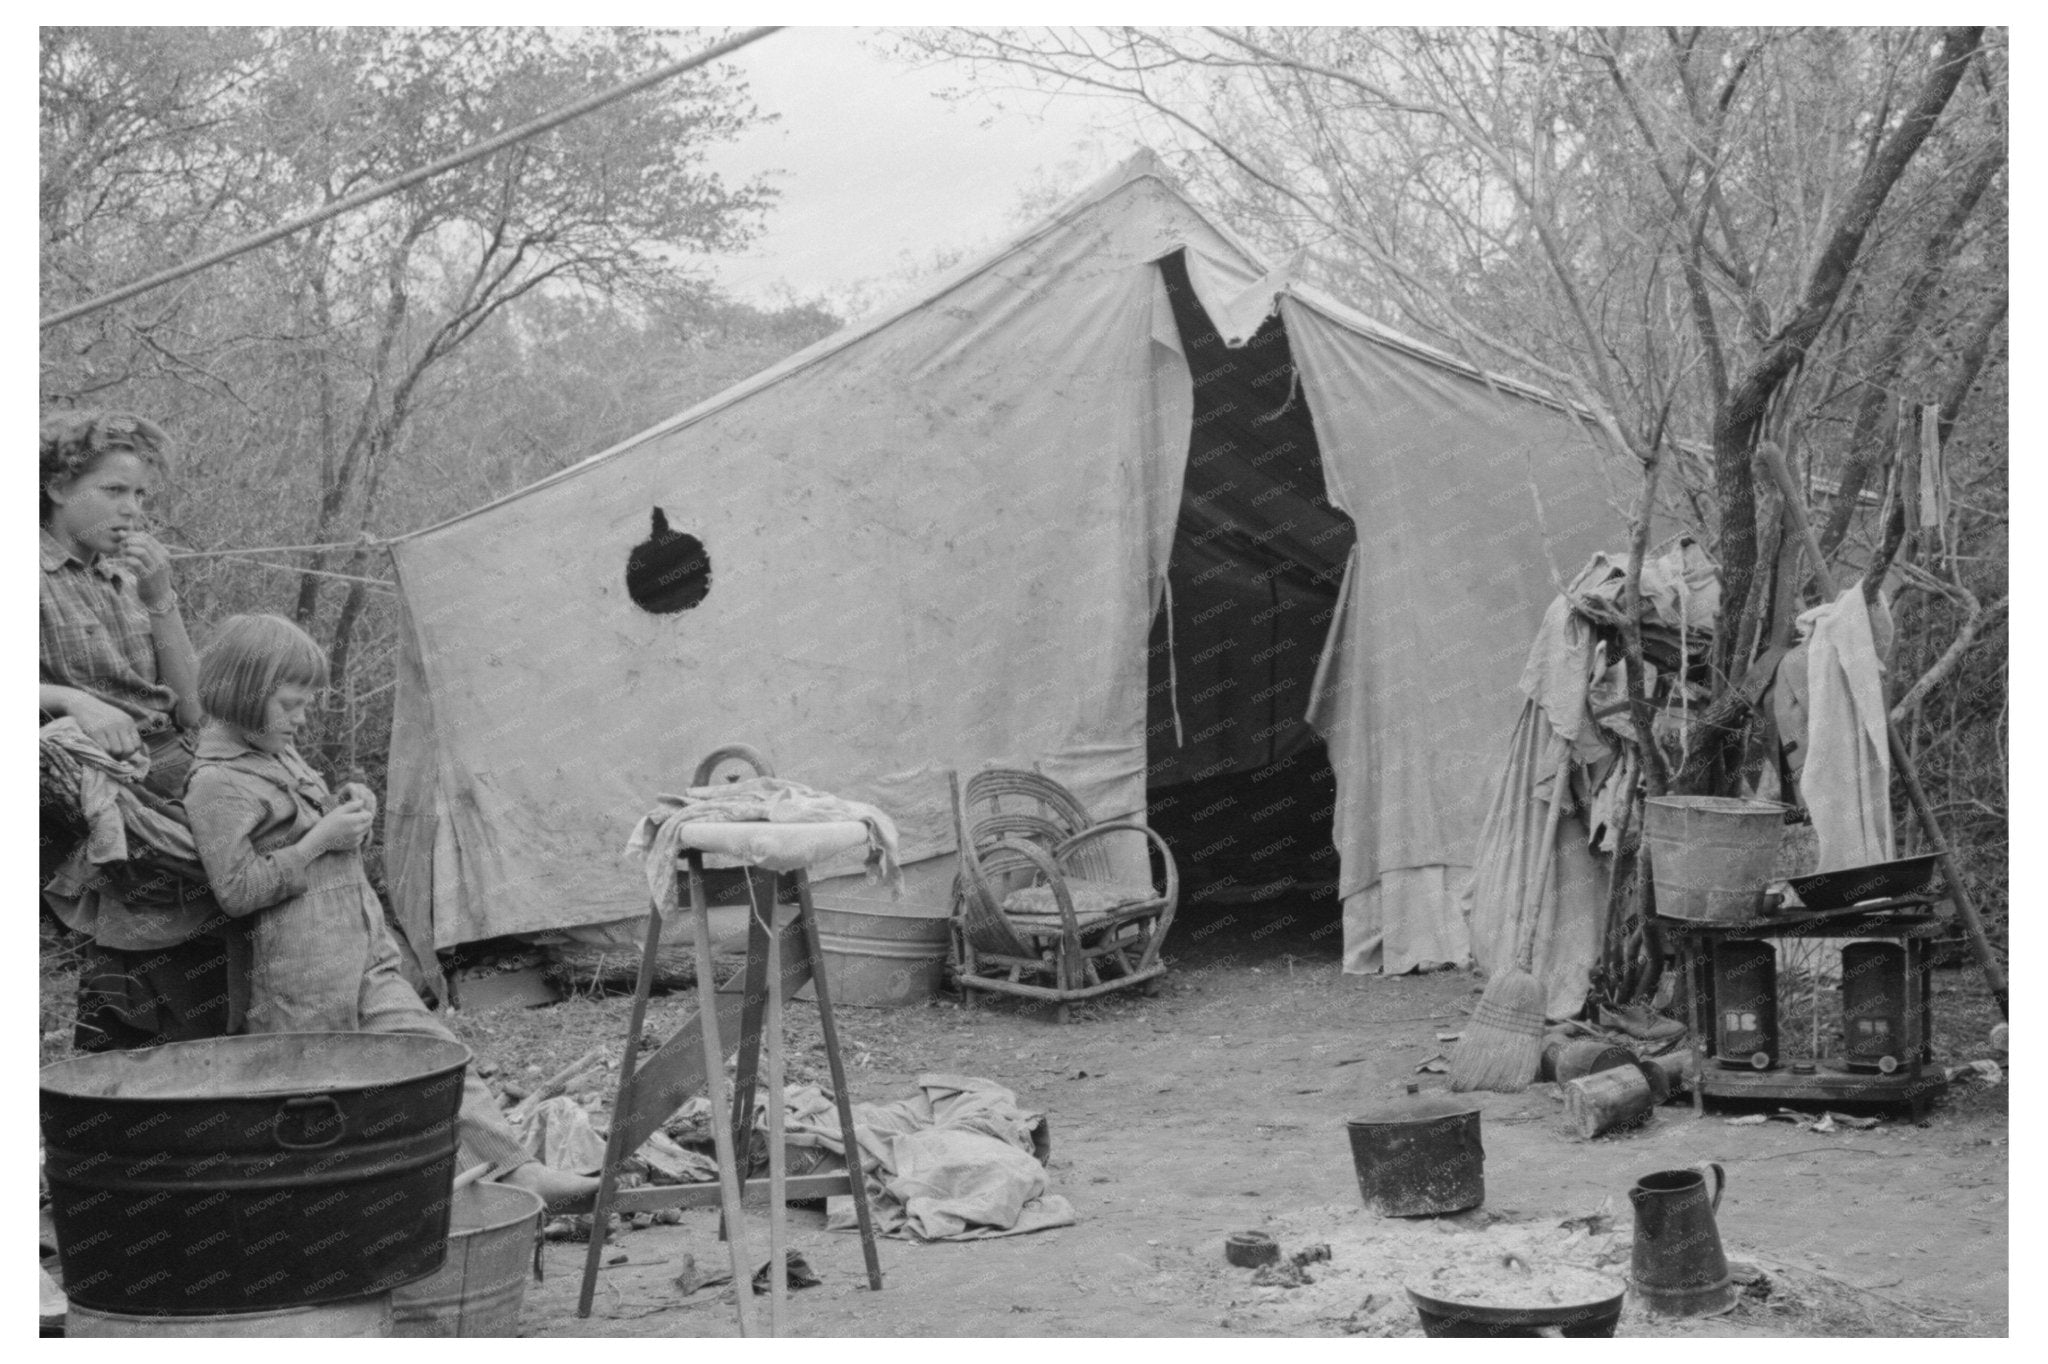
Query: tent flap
{"x": 1440, "y": 473}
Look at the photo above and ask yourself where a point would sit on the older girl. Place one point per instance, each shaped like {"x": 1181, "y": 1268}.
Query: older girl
{"x": 116, "y": 659}
{"x": 278, "y": 847}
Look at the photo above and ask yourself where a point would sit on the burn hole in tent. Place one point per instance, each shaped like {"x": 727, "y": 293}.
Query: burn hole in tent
{"x": 668, "y": 571}
{"x": 1237, "y": 782}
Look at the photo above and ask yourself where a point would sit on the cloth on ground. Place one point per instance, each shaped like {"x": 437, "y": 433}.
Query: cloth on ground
{"x": 558, "y": 1132}
{"x": 1845, "y": 778}
{"x": 657, "y": 835}
{"x": 951, "y": 1163}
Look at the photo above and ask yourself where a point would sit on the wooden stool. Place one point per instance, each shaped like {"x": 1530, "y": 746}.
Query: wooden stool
{"x": 781, "y": 949}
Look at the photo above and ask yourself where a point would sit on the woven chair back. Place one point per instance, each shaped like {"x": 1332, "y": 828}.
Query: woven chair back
{"x": 1006, "y": 793}
{"x": 981, "y": 912}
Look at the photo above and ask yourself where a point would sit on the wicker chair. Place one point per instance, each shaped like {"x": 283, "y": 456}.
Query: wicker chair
{"x": 1037, "y": 910}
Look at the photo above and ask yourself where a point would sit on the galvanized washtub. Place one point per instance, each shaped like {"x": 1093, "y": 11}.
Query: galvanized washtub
{"x": 242, "y": 1174}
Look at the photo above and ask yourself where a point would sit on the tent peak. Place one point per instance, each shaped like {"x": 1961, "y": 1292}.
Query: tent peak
{"x": 1142, "y": 164}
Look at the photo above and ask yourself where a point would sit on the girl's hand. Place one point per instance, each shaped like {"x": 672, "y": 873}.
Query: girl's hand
{"x": 356, "y": 791}
{"x": 151, "y": 563}
{"x": 340, "y": 829}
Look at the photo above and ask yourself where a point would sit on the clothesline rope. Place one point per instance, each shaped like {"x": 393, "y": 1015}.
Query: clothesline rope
{"x": 181, "y": 552}
{"x": 383, "y": 583}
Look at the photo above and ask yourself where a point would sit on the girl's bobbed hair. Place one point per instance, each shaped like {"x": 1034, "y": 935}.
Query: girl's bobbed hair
{"x": 248, "y": 659}
{"x": 74, "y": 440}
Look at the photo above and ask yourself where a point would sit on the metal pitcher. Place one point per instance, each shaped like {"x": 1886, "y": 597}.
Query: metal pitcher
{"x": 1679, "y": 1269}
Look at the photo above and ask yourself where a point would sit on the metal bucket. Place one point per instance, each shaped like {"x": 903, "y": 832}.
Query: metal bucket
{"x": 1710, "y": 856}
{"x": 354, "y": 1319}
{"x": 240, "y": 1174}
{"x": 1419, "y": 1158}
{"x": 480, "y": 1287}
{"x": 881, "y": 960}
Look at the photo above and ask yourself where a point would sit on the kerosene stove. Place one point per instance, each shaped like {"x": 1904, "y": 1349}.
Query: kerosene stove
{"x": 1884, "y": 1054}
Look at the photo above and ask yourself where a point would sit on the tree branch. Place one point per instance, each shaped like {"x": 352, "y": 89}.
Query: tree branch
{"x": 1916, "y": 295}
{"x": 1739, "y": 421}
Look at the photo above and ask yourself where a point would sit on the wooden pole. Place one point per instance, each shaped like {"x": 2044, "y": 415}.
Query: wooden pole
{"x": 714, "y": 1084}
{"x": 1902, "y": 757}
{"x": 622, "y": 1102}
{"x": 1959, "y": 894}
{"x": 778, "y": 1272}
{"x": 842, "y": 1099}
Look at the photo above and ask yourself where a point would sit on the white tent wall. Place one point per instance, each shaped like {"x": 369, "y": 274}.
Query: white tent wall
{"x": 934, "y": 544}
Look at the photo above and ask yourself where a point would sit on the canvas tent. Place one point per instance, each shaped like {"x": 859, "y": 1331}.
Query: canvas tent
{"x": 941, "y": 538}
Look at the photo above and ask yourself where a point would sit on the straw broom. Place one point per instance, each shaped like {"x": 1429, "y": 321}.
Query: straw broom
{"x": 1502, "y": 1046}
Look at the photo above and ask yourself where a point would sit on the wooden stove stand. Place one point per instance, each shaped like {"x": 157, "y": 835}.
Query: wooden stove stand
{"x": 1908, "y": 920}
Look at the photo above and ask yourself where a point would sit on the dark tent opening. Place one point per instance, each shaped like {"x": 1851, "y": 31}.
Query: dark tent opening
{"x": 1237, "y": 783}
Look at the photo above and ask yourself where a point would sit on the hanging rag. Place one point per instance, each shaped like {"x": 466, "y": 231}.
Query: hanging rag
{"x": 1502, "y": 892}
{"x": 1845, "y": 777}
{"x": 1504, "y": 873}
{"x": 1933, "y": 477}
{"x": 1680, "y": 587}
{"x": 657, "y": 837}
{"x": 1557, "y": 678}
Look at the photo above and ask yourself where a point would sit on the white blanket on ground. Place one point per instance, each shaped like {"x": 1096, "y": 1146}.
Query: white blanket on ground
{"x": 953, "y": 1162}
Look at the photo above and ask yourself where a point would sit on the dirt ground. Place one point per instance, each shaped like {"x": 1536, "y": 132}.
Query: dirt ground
{"x": 1217, "y": 1106}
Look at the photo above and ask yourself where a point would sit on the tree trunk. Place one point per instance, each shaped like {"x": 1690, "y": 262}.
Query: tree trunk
{"x": 1739, "y": 424}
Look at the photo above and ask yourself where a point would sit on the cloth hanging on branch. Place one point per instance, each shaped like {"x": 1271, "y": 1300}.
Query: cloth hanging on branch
{"x": 1845, "y": 777}
{"x": 1504, "y": 875}
{"x": 1568, "y": 675}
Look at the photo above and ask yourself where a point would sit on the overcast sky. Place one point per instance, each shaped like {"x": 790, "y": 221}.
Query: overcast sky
{"x": 879, "y": 174}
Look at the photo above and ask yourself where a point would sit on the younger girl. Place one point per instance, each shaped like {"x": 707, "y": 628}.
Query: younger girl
{"x": 278, "y": 846}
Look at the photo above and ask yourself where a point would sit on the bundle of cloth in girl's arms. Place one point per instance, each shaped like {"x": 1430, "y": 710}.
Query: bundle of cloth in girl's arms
{"x": 216, "y": 878}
